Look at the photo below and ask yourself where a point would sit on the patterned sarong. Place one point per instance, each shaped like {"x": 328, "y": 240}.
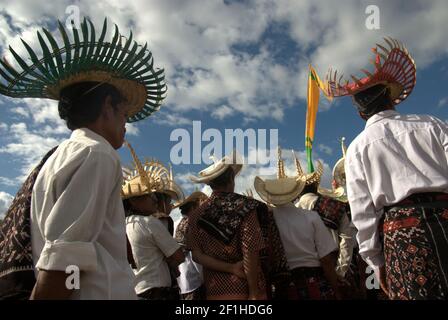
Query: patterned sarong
{"x": 16, "y": 257}
{"x": 416, "y": 247}
{"x": 311, "y": 284}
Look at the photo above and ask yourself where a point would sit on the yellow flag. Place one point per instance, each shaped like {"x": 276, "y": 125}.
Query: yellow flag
{"x": 314, "y": 84}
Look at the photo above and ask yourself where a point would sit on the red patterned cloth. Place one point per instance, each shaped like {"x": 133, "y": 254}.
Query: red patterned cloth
{"x": 16, "y": 258}
{"x": 246, "y": 238}
{"x": 416, "y": 247}
{"x": 330, "y": 211}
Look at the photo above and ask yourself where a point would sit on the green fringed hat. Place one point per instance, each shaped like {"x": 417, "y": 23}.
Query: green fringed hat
{"x": 127, "y": 66}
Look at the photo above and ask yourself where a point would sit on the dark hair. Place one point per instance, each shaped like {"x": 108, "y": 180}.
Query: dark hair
{"x": 311, "y": 188}
{"x": 127, "y": 207}
{"x": 81, "y": 103}
{"x": 223, "y": 180}
{"x": 186, "y": 208}
{"x": 373, "y": 100}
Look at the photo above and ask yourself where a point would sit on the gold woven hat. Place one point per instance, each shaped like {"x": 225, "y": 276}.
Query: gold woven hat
{"x": 218, "y": 167}
{"x": 310, "y": 178}
{"x": 282, "y": 190}
{"x": 150, "y": 177}
{"x": 195, "y": 196}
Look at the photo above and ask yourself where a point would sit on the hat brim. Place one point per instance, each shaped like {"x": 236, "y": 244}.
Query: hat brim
{"x": 278, "y": 199}
{"x": 215, "y": 170}
{"x": 197, "y": 195}
{"x": 339, "y": 172}
{"x": 394, "y": 67}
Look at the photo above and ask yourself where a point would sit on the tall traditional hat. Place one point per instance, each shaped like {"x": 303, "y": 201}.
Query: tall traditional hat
{"x": 121, "y": 62}
{"x": 152, "y": 176}
{"x": 282, "y": 190}
{"x": 313, "y": 177}
{"x": 394, "y": 67}
{"x": 218, "y": 167}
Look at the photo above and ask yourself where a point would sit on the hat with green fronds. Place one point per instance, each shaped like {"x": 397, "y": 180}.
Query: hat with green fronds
{"x": 121, "y": 62}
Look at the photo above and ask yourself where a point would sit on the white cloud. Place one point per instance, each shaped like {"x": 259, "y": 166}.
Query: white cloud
{"x": 166, "y": 118}
{"x": 27, "y": 147}
{"x": 325, "y": 149}
{"x": 442, "y": 102}
{"x": 21, "y": 111}
{"x": 222, "y": 112}
{"x": 8, "y": 182}
{"x": 3, "y": 127}
{"x": 132, "y": 129}
{"x": 5, "y": 201}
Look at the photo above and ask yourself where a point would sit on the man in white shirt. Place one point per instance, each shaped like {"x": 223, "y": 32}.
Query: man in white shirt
{"x": 147, "y": 198}
{"x": 397, "y": 179}
{"x": 309, "y": 246}
{"x": 397, "y": 170}
{"x": 77, "y": 218}
{"x": 76, "y": 221}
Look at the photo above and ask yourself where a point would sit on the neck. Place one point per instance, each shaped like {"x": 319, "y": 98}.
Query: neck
{"x": 228, "y": 188}
{"x": 99, "y": 130}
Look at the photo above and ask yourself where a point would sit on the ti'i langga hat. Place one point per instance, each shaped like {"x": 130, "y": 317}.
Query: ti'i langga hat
{"x": 394, "y": 68}
{"x": 152, "y": 176}
{"x": 121, "y": 62}
{"x": 282, "y": 190}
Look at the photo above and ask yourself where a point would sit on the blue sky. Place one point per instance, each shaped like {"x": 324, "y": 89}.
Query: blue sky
{"x": 231, "y": 64}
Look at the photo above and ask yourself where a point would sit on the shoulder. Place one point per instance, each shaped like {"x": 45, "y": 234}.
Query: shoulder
{"x": 312, "y": 216}
{"x": 307, "y": 201}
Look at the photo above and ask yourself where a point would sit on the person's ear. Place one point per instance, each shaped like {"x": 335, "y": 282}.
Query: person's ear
{"x": 108, "y": 109}
{"x": 363, "y": 116}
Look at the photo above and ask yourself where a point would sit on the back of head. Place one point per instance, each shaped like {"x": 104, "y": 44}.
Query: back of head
{"x": 373, "y": 100}
{"x": 311, "y": 188}
{"x": 188, "y": 207}
{"x": 81, "y": 103}
{"x": 224, "y": 180}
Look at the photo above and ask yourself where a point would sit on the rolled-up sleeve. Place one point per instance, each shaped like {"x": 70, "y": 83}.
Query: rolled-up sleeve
{"x": 73, "y": 224}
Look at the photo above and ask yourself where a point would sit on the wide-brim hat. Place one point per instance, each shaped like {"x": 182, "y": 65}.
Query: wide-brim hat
{"x": 338, "y": 193}
{"x": 148, "y": 177}
{"x": 279, "y": 191}
{"x": 339, "y": 172}
{"x": 233, "y": 160}
{"x": 195, "y": 196}
{"x": 124, "y": 64}
{"x": 394, "y": 67}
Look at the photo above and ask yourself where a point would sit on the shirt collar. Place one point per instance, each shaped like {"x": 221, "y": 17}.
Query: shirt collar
{"x": 380, "y": 116}
{"x": 89, "y": 134}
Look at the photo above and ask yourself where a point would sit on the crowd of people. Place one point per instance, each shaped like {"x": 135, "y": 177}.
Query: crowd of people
{"x": 387, "y": 210}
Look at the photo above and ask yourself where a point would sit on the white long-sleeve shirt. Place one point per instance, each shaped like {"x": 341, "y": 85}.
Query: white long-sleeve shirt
{"x": 395, "y": 156}
{"x": 151, "y": 244}
{"x": 77, "y": 217}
